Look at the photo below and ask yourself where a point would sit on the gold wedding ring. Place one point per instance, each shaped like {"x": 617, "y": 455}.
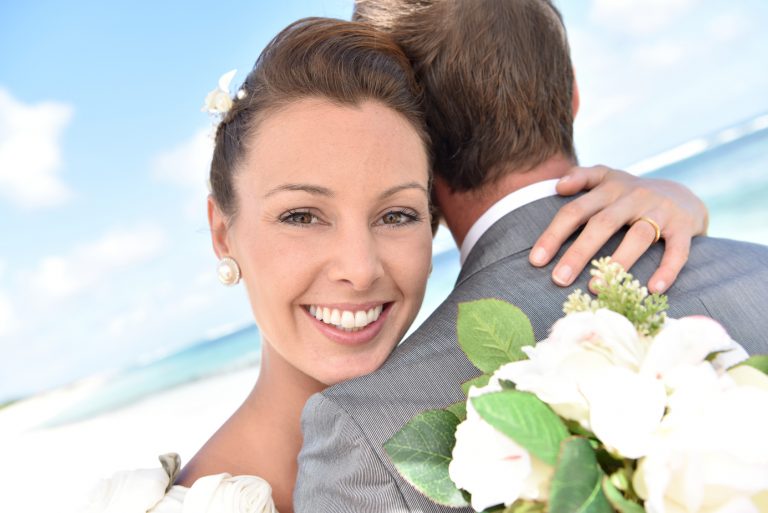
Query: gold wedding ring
{"x": 654, "y": 224}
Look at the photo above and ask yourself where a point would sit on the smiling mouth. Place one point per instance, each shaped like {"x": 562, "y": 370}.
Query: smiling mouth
{"x": 346, "y": 320}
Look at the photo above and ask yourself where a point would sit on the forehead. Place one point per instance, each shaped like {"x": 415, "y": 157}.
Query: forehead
{"x": 316, "y": 141}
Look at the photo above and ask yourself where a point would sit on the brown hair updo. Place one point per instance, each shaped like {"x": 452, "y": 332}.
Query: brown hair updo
{"x": 341, "y": 61}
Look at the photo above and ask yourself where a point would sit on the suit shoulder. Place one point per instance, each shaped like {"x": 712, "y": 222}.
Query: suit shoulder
{"x": 730, "y": 249}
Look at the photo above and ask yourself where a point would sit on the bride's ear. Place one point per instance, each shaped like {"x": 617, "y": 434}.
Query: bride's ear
{"x": 219, "y": 227}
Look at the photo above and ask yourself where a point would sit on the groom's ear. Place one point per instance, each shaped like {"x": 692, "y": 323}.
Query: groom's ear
{"x": 219, "y": 227}
{"x": 575, "y": 98}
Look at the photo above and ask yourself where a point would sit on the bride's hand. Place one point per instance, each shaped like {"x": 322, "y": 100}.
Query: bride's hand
{"x": 615, "y": 199}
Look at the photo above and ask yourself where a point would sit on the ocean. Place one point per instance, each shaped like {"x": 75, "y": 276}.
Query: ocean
{"x": 728, "y": 170}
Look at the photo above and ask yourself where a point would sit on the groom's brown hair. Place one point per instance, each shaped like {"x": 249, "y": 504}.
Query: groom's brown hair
{"x": 498, "y": 81}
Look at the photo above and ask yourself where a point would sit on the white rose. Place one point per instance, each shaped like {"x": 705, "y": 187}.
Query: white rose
{"x": 748, "y": 376}
{"x": 625, "y": 409}
{"x": 134, "y": 491}
{"x": 223, "y": 493}
{"x": 686, "y": 342}
{"x": 710, "y": 454}
{"x": 582, "y": 346}
{"x": 492, "y": 467}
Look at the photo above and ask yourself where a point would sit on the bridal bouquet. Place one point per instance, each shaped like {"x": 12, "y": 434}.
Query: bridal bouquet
{"x": 619, "y": 409}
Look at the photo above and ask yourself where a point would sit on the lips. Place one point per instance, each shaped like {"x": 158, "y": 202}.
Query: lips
{"x": 349, "y": 314}
{"x": 348, "y": 320}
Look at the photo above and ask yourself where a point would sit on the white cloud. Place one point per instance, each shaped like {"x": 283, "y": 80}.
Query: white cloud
{"x": 127, "y": 321}
{"x": 601, "y": 109}
{"x": 65, "y": 275}
{"x": 30, "y": 153}
{"x": 187, "y": 164}
{"x": 730, "y": 26}
{"x": 224, "y": 329}
{"x": 659, "y": 54}
{"x": 8, "y": 318}
{"x": 189, "y": 304}
{"x": 638, "y": 16}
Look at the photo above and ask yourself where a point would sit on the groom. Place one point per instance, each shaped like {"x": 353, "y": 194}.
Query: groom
{"x": 501, "y": 100}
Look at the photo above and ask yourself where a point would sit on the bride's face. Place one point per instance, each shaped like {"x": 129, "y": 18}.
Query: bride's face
{"x": 332, "y": 234}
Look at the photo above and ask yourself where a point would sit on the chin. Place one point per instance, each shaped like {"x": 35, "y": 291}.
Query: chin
{"x": 338, "y": 375}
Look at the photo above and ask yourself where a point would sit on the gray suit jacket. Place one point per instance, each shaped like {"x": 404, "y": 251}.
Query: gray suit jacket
{"x": 343, "y": 467}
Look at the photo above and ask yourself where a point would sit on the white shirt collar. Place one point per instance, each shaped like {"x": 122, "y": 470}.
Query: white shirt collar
{"x": 505, "y": 205}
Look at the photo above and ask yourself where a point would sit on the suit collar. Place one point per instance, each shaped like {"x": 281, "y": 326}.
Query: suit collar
{"x": 512, "y": 201}
{"x": 515, "y": 232}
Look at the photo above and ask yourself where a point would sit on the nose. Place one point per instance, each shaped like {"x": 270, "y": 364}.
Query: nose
{"x": 356, "y": 259}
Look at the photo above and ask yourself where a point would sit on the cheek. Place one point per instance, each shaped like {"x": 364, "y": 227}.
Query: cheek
{"x": 410, "y": 265}
{"x": 277, "y": 271}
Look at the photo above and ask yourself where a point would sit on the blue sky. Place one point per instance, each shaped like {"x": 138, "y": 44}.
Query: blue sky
{"x": 105, "y": 257}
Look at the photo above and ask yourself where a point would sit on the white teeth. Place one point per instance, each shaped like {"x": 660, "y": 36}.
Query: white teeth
{"x": 345, "y": 319}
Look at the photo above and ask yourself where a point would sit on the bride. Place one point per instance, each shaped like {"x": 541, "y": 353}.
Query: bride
{"x": 321, "y": 206}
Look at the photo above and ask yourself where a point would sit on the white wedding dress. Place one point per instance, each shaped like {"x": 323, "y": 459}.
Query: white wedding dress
{"x": 153, "y": 491}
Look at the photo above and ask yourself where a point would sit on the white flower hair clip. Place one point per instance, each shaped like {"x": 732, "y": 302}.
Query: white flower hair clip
{"x": 219, "y": 101}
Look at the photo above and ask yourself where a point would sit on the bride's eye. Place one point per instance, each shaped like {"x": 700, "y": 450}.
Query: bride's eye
{"x": 299, "y": 217}
{"x": 396, "y": 218}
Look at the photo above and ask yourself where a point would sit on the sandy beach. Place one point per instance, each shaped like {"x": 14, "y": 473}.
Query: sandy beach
{"x": 53, "y": 469}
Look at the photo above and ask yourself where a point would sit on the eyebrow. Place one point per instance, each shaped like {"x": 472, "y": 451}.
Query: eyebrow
{"x": 302, "y": 187}
{"x": 402, "y": 187}
{"x": 318, "y": 190}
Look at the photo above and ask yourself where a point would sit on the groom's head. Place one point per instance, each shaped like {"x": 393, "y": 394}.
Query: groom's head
{"x": 498, "y": 78}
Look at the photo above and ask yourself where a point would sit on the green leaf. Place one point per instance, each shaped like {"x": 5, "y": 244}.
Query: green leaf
{"x": 577, "y": 429}
{"x": 507, "y": 384}
{"x": 421, "y": 451}
{"x": 459, "y": 409}
{"x": 576, "y": 486}
{"x": 759, "y": 362}
{"x": 617, "y": 500}
{"x": 525, "y": 419}
{"x": 491, "y": 333}
{"x": 479, "y": 381}
{"x": 525, "y": 506}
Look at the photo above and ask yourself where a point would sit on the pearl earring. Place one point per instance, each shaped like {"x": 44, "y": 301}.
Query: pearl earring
{"x": 228, "y": 271}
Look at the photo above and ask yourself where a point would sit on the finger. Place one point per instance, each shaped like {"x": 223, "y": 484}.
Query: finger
{"x": 677, "y": 247}
{"x": 639, "y": 237}
{"x": 592, "y": 238}
{"x": 581, "y": 178}
{"x": 567, "y": 220}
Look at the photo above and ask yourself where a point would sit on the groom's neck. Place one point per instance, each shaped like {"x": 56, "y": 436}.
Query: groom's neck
{"x": 460, "y": 209}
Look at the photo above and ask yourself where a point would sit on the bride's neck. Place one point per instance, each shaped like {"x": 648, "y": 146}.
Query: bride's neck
{"x": 263, "y": 437}
{"x": 275, "y": 405}
{"x": 281, "y": 388}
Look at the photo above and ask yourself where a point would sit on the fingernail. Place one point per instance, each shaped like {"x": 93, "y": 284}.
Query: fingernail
{"x": 563, "y": 274}
{"x": 539, "y": 256}
{"x": 660, "y": 286}
{"x": 564, "y": 179}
